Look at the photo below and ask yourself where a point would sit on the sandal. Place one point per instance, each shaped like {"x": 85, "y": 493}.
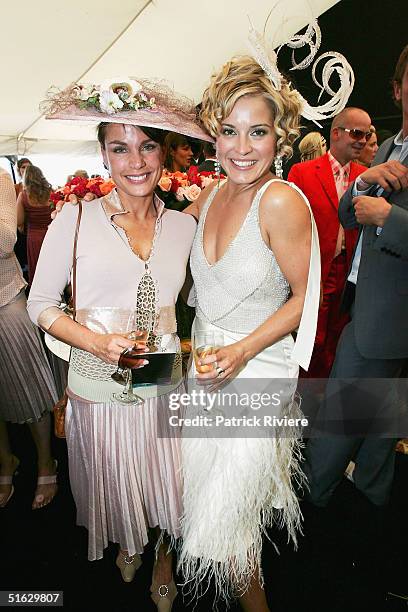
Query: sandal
{"x": 8, "y": 480}
{"x": 40, "y": 500}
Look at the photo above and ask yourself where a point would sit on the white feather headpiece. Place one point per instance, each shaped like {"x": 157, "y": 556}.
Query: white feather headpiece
{"x": 335, "y": 64}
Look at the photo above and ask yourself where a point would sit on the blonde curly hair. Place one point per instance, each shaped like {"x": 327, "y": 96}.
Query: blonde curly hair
{"x": 243, "y": 76}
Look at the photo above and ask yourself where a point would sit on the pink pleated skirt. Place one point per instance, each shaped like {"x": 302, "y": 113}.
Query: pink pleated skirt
{"x": 125, "y": 477}
{"x": 27, "y": 388}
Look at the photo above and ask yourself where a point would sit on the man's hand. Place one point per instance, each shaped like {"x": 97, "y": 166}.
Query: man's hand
{"x": 392, "y": 176}
{"x": 371, "y": 211}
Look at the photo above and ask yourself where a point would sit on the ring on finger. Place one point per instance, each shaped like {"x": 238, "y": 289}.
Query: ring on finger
{"x": 219, "y": 371}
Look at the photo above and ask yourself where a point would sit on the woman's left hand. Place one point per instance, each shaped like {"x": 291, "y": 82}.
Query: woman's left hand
{"x": 227, "y": 362}
{"x": 88, "y": 197}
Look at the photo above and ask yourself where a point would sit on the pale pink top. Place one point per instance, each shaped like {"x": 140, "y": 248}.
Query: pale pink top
{"x": 108, "y": 271}
{"x": 11, "y": 277}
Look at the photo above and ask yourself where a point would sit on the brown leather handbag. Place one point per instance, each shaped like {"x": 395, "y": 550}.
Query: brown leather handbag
{"x": 59, "y": 416}
{"x": 60, "y": 407}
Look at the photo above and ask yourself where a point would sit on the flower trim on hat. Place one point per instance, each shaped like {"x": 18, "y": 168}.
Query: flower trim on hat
{"x": 113, "y": 96}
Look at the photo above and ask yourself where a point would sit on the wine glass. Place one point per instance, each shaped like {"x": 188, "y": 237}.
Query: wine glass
{"x": 128, "y": 358}
{"x": 206, "y": 342}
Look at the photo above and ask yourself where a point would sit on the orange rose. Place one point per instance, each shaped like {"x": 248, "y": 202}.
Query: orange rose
{"x": 107, "y": 187}
{"x": 181, "y": 177}
{"x": 165, "y": 183}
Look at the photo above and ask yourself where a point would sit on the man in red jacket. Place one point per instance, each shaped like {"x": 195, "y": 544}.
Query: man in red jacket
{"x": 324, "y": 180}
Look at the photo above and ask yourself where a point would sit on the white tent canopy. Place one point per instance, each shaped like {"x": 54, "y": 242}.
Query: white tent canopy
{"x": 47, "y": 43}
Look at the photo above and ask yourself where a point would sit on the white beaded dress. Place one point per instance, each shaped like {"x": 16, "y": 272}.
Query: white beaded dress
{"x": 236, "y": 487}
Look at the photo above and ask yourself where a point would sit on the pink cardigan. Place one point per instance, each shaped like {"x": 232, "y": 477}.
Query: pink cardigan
{"x": 108, "y": 271}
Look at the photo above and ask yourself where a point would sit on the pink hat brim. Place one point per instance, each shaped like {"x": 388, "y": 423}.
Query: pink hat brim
{"x": 158, "y": 117}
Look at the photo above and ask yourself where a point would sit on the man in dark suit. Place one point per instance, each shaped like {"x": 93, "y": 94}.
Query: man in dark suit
{"x": 365, "y": 400}
{"x": 323, "y": 181}
{"x": 374, "y": 345}
{"x": 210, "y": 159}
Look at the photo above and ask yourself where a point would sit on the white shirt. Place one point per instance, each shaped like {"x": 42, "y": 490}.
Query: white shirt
{"x": 399, "y": 152}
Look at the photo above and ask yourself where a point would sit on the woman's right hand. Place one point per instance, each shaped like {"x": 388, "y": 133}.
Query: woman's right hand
{"x": 57, "y": 209}
{"x": 108, "y": 347}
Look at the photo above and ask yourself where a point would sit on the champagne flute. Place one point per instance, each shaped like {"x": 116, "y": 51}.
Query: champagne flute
{"x": 123, "y": 373}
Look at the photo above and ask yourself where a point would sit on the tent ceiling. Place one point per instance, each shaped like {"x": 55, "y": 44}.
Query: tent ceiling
{"x": 51, "y": 43}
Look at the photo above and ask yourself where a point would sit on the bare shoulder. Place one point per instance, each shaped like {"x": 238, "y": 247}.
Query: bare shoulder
{"x": 282, "y": 203}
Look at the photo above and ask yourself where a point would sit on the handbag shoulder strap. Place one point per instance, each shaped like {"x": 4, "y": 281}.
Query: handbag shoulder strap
{"x": 74, "y": 261}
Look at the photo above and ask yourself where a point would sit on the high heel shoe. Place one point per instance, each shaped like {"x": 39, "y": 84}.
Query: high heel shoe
{"x": 8, "y": 480}
{"x": 164, "y": 595}
{"x": 128, "y": 565}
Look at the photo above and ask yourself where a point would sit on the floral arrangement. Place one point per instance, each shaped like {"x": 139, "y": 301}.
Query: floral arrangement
{"x": 179, "y": 189}
{"x": 113, "y": 96}
{"x": 80, "y": 186}
{"x": 176, "y": 189}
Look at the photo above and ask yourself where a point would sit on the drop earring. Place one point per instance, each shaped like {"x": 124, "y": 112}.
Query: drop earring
{"x": 217, "y": 169}
{"x": 277, "y": 162}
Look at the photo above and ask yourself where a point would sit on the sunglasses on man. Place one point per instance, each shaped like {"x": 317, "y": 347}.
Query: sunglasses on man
{"x": 357, "y": 134}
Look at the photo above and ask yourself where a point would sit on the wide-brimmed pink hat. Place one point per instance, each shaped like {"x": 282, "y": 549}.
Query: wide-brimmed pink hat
{"x": 140, "y": 102}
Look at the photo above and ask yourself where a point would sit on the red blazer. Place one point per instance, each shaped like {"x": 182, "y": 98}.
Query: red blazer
{"x": 315, "y": 179}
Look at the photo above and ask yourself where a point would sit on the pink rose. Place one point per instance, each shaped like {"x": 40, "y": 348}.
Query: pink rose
{"x": 192, "y": 192}
{"x": 205, "y": 181}
{"x": 165, "y": 183}
{"x": 180, "y": 194}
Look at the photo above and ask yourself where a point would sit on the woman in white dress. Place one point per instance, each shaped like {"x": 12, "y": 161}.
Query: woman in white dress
{"x": 256, "y": 268}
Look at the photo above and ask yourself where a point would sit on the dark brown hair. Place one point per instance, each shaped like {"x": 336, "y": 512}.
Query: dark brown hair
{"x": 153, "y": 133}
{"x": 21, "y": 162}
{"x": 36, "y": 185}
{"x": 171, "y": 142}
